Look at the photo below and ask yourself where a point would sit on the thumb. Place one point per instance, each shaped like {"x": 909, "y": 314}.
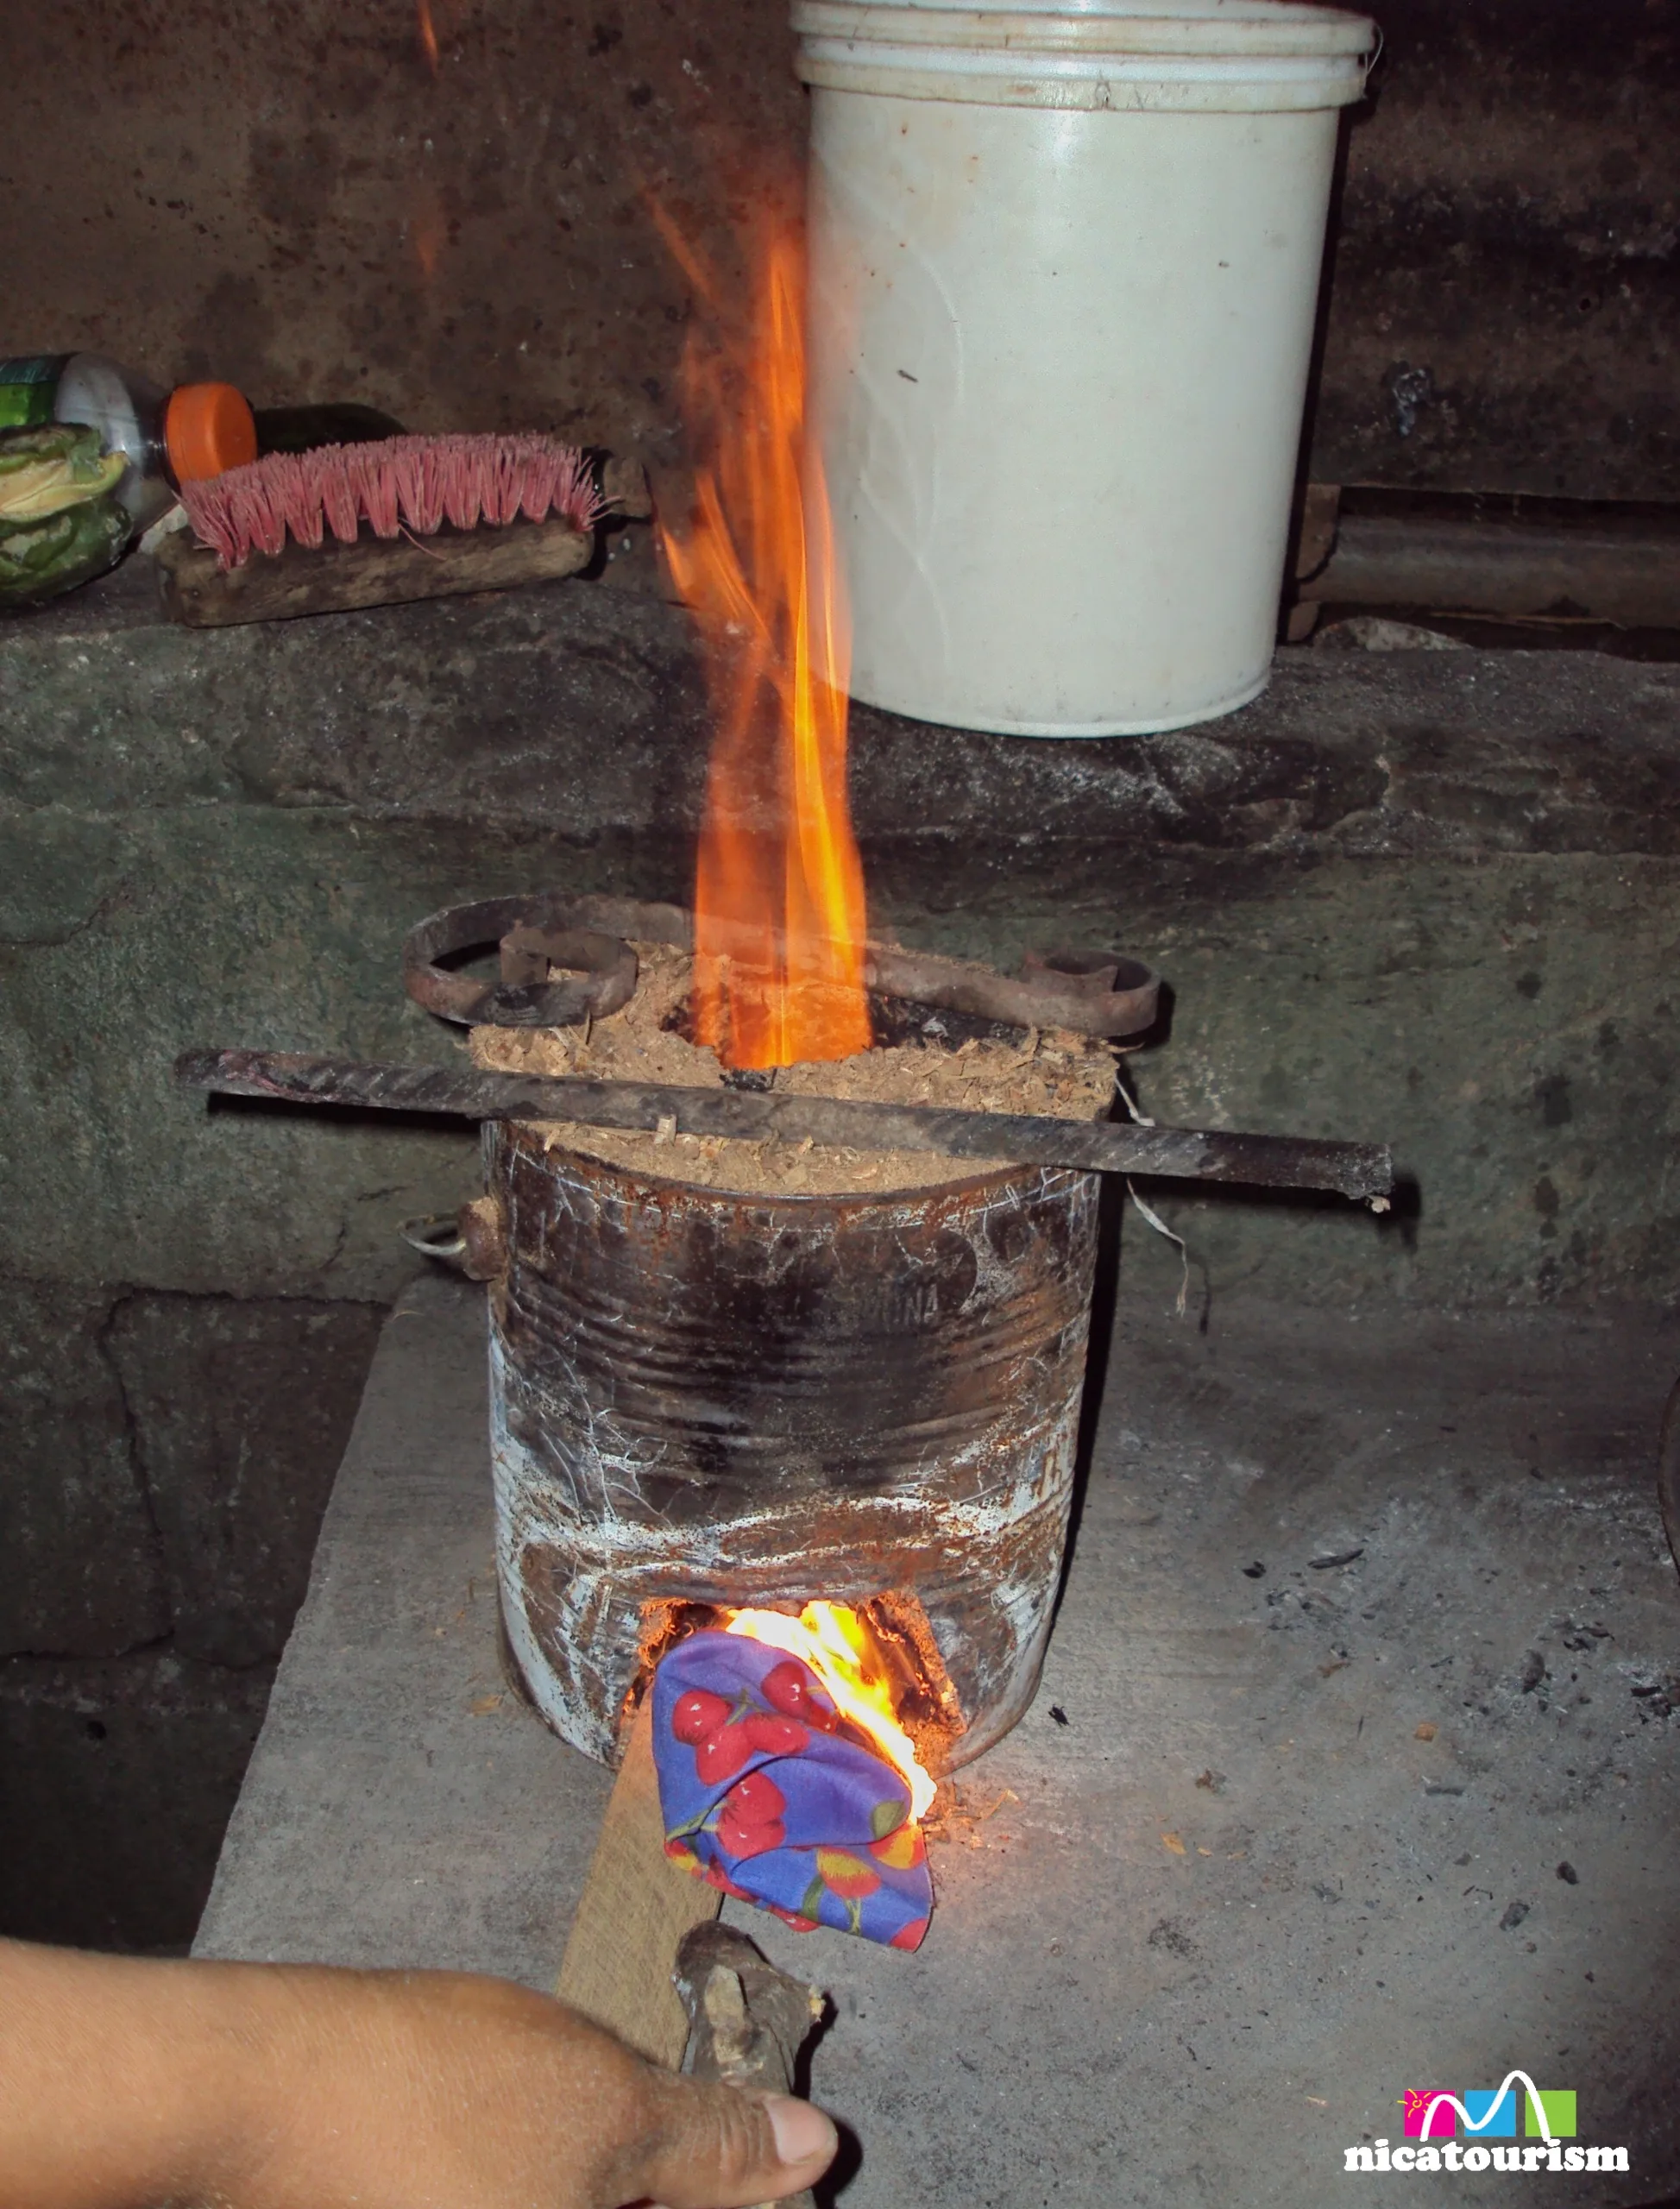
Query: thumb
{"x": 716, "y": 2147}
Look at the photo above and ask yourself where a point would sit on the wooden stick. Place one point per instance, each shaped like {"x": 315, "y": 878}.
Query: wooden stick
{"x": 635, "y": 1909}
{"x": 1357, "y": 1170}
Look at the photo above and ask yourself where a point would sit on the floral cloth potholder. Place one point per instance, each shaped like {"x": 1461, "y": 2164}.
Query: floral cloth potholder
{"x": 766, "y": 1795}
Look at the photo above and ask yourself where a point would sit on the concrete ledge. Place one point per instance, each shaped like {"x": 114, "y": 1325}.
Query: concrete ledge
{"x": 579, "y": 710}
{"x": 1273, "y": 1825}
{"x": 402, "y": 1806}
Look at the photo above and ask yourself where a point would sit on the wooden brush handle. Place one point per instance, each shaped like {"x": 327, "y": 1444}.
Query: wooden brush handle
{"x": 334, "y": 578}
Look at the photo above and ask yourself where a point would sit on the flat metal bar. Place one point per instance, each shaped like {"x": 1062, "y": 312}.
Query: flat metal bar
{"x": 1361, "y": 1171}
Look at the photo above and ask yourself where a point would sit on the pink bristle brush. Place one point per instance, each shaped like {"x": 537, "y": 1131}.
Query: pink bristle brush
{"x": 345, "y": 527}
{"x": 335, "y": 488}
{"x": 411, "y": 484}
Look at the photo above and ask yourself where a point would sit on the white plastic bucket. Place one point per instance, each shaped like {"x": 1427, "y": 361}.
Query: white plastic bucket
{"x": 1064, "y": 266}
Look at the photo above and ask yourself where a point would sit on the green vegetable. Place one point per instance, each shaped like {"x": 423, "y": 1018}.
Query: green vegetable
{"x": 39, "y": 559}
{"x": 44, "y": 471}
{"x": 59, "y": 524}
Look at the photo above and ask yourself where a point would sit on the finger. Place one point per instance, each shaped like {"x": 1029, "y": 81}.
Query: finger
{"x": 716, "y": 2148}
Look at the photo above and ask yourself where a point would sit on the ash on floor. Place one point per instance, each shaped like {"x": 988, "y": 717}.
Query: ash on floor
{"x": 1353, "y": 1770}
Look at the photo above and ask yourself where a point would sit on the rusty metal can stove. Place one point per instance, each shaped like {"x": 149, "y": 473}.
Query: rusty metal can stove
{"x": 700, "y": 1399}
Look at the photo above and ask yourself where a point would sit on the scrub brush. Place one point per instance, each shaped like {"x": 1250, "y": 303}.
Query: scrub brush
{"x": 396, "y": 484}
{"x": 346, "y": 526}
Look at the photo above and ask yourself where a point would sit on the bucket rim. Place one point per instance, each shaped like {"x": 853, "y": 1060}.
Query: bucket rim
{"x": 1196, "y": 84}
{"x": 1233, "y": 29}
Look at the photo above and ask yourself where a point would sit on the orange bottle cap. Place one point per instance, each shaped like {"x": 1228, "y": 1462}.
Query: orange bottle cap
{"x": 207, "y": 428}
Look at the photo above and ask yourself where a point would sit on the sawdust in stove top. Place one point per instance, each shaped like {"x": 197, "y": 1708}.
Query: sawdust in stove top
{"x": 1048, "y": 1074}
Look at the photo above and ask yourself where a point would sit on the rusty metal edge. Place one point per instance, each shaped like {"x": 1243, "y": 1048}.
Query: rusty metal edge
{"x": 1089, "y": 993}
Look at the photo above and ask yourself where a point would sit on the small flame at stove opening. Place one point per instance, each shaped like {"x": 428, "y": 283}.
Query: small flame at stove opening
{"x": 834, "y": 1642}
{"x": 779, "y": 909}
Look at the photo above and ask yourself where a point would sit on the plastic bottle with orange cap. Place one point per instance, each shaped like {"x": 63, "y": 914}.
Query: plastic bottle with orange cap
{"x": 168, "y": 437}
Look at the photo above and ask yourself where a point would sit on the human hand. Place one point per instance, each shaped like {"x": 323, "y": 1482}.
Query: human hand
{"x": 270, "y": 2087}
{"x": 404, "y": 2090}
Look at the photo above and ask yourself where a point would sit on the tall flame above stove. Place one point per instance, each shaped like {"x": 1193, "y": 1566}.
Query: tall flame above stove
{"x": 779, "y": 908}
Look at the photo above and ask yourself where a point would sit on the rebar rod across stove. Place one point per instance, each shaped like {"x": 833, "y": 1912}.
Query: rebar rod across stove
{"x": 1363, "y": 1172}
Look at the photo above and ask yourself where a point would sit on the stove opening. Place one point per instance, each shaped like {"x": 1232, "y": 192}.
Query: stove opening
{"x": 887, "y": 1639}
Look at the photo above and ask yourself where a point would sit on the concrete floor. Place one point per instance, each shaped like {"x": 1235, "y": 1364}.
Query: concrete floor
{"x": 1225, "y": 1895}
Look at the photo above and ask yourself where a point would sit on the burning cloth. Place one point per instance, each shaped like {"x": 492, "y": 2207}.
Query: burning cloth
{"x": 768, "y": 1794}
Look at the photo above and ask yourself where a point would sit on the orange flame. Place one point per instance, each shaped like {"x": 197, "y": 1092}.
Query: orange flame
{"x": 779, "y": 914}
{"x": 832, "y": 1641}
{"x": 425, "y": 231}
{"x": 428, "y": 35}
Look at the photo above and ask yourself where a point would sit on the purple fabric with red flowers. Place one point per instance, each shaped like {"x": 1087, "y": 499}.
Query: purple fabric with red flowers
{"x": 770, "y": 1796}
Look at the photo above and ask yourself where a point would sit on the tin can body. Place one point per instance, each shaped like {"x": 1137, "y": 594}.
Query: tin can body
{"x": 707, "y": 1398}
